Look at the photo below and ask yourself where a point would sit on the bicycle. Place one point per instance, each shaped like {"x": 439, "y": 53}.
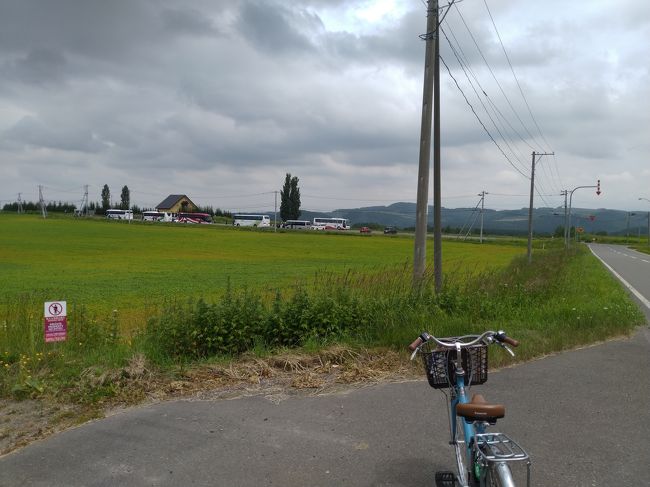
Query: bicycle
{"x": 455, "y": 364}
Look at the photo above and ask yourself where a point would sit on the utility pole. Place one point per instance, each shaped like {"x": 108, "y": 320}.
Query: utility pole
{"x": 565, "y": 193}
{"x": 275, "y": 213}
{"x": 41, "y": 201}
{"x": 646, "y": 199}
{"x": 530, "y": 212}
{"x": 597, "y": 186}
{"x": 20, "y": 204}
{"x": 530, "y": 208}
{"x": 627, "y": 231}
{"x": 430, "y": 64}
{"x": 482, "y": 195}
{"x": 437, "y": 197}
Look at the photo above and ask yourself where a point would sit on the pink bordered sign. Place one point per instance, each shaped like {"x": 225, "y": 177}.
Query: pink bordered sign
{"x": 56, "y": 321}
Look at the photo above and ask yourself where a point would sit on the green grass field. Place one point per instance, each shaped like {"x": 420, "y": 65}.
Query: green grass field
{"x": 267, "y": 292}
{"x": 108, "y": 265}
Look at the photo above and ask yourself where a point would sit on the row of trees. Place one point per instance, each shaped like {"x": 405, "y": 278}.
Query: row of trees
{"x": 52, "y": 206}
{"x": 289, "y": 202}
{"x": 125, "y": 198}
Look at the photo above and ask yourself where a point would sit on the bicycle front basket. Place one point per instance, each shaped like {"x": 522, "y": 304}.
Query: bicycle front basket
{"x": 439, "y": 365}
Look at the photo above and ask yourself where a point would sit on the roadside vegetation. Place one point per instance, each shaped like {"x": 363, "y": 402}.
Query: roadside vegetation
{"x": 337, "y": 299}
{"x": 642, "y": 248}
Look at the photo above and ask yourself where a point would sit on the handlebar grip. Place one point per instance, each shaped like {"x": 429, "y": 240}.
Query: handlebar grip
{"x": 511, "y": 341}
{"x": 418, "y": 341}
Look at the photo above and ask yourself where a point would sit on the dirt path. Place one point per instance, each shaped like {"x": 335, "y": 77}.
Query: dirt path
{"x": 22, "y": 422}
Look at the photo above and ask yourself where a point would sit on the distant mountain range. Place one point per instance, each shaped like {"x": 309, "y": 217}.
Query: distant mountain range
{"x": 511, "y": 222}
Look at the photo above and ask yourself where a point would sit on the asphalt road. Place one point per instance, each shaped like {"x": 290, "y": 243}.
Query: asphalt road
{"x": 582, "y": 416}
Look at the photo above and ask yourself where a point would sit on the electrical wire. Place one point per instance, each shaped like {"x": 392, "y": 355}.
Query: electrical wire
{"x": 489, "y": 99}
{"x": 514, "y": 75}
{"x": 506, "y": 140}
{"x": 494, "y": 76}
{"x": 481, "y": 122}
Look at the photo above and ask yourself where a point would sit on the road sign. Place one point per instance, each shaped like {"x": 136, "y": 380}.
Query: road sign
{"x": 580, "y": 229}
{"x": 56, "y": 321}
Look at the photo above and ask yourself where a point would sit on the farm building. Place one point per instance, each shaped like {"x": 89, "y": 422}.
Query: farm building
{"x": 176, "y": 203}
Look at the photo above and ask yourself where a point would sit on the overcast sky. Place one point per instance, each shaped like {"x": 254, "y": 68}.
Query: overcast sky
{"x": 218, "y": 99}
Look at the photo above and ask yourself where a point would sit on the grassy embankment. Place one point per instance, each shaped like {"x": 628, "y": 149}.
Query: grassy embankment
{"x": 265, "y": 292}
{"x": 642, "y": 248}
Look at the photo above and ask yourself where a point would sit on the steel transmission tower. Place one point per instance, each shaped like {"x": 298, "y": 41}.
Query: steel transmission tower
{"x": 83, "y": 206}
{"x": 41, "y": 201}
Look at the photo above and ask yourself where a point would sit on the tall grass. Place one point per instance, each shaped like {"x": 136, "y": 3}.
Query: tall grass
{"x": 30, "y": 367}
{"x": 560, "y": 301}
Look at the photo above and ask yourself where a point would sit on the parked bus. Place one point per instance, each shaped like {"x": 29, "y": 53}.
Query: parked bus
{"x": 114, "y": 214}
{"x": 193, "y": 218}
{"x": 156, "y": 216}
{"x": 251, "y": 220}
{"x": 297, "y": 224}
{"x": 331, "y": 224}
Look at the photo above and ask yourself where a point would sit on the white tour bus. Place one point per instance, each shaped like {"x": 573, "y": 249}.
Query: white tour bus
{"x": 297, "y": 224}
{"x": 251, "y": 220}
{"x": 156, "y": 216}
{"x": 331, "y": 224}
{"x": 119, "y": 214}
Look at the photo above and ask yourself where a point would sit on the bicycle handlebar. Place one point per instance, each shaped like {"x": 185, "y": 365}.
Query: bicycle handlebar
{"x": 416, "y": 344}
{"x": 499, "y": 336}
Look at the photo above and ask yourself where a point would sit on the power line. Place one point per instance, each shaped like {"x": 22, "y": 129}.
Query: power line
{"x": 514, "y": 75}
{"x": 480, "y": 121}
{"x": 494, "y": 76}
{"x": 503, "y": 137}
{"x": 488, "y": 98}
{"x": 557, "y": 182}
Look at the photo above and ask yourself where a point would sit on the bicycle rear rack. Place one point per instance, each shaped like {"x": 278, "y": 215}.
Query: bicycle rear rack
{"x": 498, "y": 448}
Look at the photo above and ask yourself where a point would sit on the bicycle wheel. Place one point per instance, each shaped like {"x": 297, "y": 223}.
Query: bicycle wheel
{"x": 499, "y": 475}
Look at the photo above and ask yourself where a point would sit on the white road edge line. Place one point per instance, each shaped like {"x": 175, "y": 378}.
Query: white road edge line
{"x": 625, "y": 283}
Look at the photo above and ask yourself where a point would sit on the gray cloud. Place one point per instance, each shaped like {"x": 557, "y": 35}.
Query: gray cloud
{"x": 276, "y": 29}
{"x": 37, "y": 66}
{"x": 30, "y": 131}
{"x": 233, "y": 94}
{"x": 188, "y": 21}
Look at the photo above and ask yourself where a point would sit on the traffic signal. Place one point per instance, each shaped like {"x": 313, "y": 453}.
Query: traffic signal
{"x": 598, "y": 188}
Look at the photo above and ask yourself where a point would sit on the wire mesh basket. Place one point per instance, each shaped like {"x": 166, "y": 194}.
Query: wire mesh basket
{"x": 440, "y": 365}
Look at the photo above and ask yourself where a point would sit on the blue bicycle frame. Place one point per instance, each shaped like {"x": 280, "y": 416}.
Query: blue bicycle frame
{"x": 459, "y": 396}
{"x": 487, "y": 455}
{"x": 468, "y": 428}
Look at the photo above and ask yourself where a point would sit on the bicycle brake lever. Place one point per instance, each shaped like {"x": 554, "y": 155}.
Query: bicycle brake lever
{"x": 503, "y": 345}
{"x": 415, "y": 352}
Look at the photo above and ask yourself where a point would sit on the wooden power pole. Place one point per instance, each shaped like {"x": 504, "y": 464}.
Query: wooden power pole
{"x": 431, "y": 73}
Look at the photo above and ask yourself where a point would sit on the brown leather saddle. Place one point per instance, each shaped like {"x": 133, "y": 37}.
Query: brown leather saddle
{"x": 480, "y": 410}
